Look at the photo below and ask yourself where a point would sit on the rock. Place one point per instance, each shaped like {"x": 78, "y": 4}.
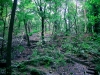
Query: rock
{"x": 91, "y": 72}
{"x": 53, "y": 67}
{"x": 50, "y": 71}
{"x": 18, "y": 56}
{"x": 92, "y": 69}
{"x": 1, "y": 38}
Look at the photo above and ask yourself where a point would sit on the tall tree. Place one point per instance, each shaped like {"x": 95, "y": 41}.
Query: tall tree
{"x": 41, "y": 7}
{"x": 85, "y": 18}
{"x": 4, "y": 22}
{"x": 93, "y": 12}
{"x": 26, "y": 31}
{"x": 9, "y": 44}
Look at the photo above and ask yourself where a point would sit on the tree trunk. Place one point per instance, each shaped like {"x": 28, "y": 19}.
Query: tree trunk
{"x": 85, "y": 28}
{"x": 19, "y": 25}
{"x": 96, "y": 25}
{"x": 27, "y": 37}
{"x": 1, "y": 10}
{"x": 8, "y": 60}
{"x": 69, "y": 22}
{"x": 85, "y": 22}
{"x": 3, "y": 38}
{"x": 2, "y": 6}
{"x": 42, "y": 33}
{"x": 65, "y": 21}
{"x": 75, "y": 17}
{"x": 29, "y": 26}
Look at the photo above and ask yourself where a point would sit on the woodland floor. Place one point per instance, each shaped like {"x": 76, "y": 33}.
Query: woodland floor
{"x": 74, "y": 66}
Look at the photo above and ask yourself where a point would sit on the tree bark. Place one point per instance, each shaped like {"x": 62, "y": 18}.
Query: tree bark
{"x": 96, "y": 25}
{"x": 27, "y": 37}
{"x": 42, "y": 19}
{"x": 85, "y": 18}
{"x": 9, "y": 44}
{"x": 4, "y": 27}
{"x": 75, "y": 17}
{"x": 3, "y": 37}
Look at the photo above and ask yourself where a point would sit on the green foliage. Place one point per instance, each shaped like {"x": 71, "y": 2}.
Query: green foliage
{"x": 92, "y": 19}
{"x": 85, "y": 46}
{"x": 98, "y": 38}
{"x": 53, "y": 12}
{"x": 98, "y": 67}
{"x": 20, "y": 48}
{"x": 97, "y": 63}
{"x": 22, "y": 68}
{"x": 40, "y": 61}
{"x": 37, "y": 72}
{"x": 82, "y": 48}
{"x": 34, "y": 31}
{"x": 67, "y": 46}
{"x": 60, "y": 61}
{"x": 33, "y": 71}
{"x": 48, "y": 57}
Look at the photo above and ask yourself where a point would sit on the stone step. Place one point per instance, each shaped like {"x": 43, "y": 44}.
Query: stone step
{"x": 90, "y": 72}
{"x": 91, "y": 69}
{"x": 92, "y": 66}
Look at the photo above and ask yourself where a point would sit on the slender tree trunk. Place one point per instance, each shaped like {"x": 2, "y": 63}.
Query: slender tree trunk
{"x": 29, "y": 29}
{"x": 55, "y": 27}
{"x": 49, "y": 15}
{"x": 28, "y": 42}
{"x": 19, "y": 25}
{"x": 3, "y": 38}
{"x": 76, "y": 27}
{"x": 9, "y": 44}
{"x": 45, "y": 27}
{"x": 85, "y": 22}
{"x": 69, "y": 21}
{"x": 92, "y": 29}
{"x": 42, "y": 33}
{"x": 1, "y": 12}
{"x": 65, "y": 21}
{"x": 96, "y": 25}
{"x": 85, "y": 29}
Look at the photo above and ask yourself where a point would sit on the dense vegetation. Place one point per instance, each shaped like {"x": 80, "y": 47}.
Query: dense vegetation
{"x": 48, "y": 33}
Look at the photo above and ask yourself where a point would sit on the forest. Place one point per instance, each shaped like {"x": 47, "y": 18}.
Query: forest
{"x": 49, "y": 37}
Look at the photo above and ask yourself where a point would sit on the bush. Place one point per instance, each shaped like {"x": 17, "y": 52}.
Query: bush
{"x": 22, "y": 68}
{"x": 37, "y": 72}
{"x": 44, "y": 60}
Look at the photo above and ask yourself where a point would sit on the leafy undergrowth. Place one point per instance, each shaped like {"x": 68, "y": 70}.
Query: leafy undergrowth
{"x": 53, "y": 54}
{"x": 46, "y": 57}
{"x": 87, "y": 48}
